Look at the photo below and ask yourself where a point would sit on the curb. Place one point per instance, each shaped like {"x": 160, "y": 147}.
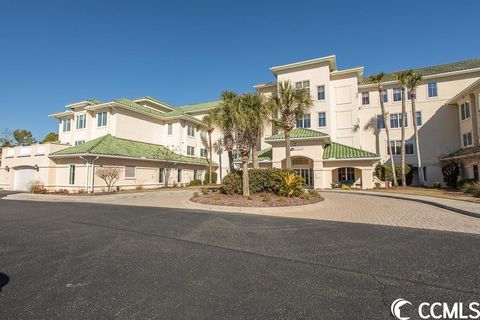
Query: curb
{"x": 433, "y": 203}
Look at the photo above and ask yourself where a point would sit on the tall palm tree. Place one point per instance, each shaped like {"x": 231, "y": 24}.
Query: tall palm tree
{"x": 289, "y": 103}
{"x": 209, "y": 121}
{"x": 402, "y": 78}
{"x": 413, "y": 81}
{"x": 252, "y": 117}
{"x": 378, "y": 78}
{"x": 218, "y": 148}
{"x": 225, "y": 120}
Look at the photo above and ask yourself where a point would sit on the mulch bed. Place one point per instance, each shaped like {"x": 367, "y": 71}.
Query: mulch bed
{"x": 255, "y": 200}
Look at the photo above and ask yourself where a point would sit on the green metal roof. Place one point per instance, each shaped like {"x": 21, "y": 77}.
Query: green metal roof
{"x": 432, "y": 70}
{"x": 199, "y": 106}
{"x": 156, "y": 100}
{"x": 109, "y": 145}
{"x": 340, "y": 151}
{"x": 93, "y": 102}
{"x": 129, "y": 104}
{"x": 299, "y": 133}
{"x": 264, "y": 155}
{"x": 463, "y": 152}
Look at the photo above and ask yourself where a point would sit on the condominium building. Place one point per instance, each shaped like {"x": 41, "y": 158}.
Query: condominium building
{"x": 340, "y": 140}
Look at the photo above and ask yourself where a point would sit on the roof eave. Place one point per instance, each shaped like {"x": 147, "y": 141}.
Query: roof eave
{"x": 331, "y": 59}
{"x": 352, "y": 159}
{"x": 299, "y": 139}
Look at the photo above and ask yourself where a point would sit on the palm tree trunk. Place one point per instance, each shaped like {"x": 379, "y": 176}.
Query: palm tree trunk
{"x": 210, "y": 147}
{"x": 256, "y": 164}
{"x": 387, "y": 131}
{"x": 404, "y": 114}
{"x": 220, "y": 165}
{"x": 417, "y": 141}
{"x": 245, "y": 178}
{"x": 288, "y": 159}
{"x": 230, "y": 160}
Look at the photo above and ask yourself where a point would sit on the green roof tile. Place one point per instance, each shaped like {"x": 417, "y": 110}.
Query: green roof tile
{"x": 156, "y": 100}
{"x": 93, "y": 102}
{"x": 463, "y": 152}
{"x": 199, "y": 106}
{"x": 129, "y": 104}
{"x": 109, "y": 145}
{"x": 299, "y": 133}
{"x": 432, "y": 70}
{"x": 341, "y": 151}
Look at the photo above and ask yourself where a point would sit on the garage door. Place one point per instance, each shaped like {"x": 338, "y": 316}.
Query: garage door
{"x": 23, "y": 177}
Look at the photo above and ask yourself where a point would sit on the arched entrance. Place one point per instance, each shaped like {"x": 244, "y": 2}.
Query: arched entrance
{"x": 303, "y": 166}
{"x": 347, "y": 175}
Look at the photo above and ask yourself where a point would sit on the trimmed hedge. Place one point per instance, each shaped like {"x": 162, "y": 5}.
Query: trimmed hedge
{"x": 214, "y": 177}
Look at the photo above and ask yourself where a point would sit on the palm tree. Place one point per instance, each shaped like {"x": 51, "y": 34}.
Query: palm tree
{"x": 252, "y": 116}
{"x": 225, "y": 120}
{"x": 218, "y": 148}
{"x": 402, "y": 78}
{"x": 378, "y": 78}
{"x": 413, "y": 81}
{"x": 289, "y": 104}
{"x": 209, "y": 121}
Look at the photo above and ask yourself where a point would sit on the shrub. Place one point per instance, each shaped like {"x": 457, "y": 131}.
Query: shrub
{"x": 232, "y": 183}
{"x": 196, "y": 194}
{"x": 384, "y": 172}
{"x": 333, "y": 185}
{"x": 204, "y": 190}
{"x": 345, "y": 187}
{"x": 451, "y": 171}
{"x": 36, "y": 187}
{"x": 437, "y": 185}
{"x": 377, "y": 185}
{"x": 81, "y": 191}
{"x": 313, "y": 193}
{"x": 472, "y": 188}
{"x": 214, "y": 177}
{"x": 291, "y": 184}
{"x": 195, "y": 182}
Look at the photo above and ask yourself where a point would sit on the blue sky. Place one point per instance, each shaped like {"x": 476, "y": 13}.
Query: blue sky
{"x": 57, "y": 52}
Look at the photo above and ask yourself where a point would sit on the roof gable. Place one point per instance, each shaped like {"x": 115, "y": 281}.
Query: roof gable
{"x": 337, "y": 151}
{"x": 299, "y": 134}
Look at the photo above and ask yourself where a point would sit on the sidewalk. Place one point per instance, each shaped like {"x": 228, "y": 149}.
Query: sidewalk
{"x": 463, "y": 207}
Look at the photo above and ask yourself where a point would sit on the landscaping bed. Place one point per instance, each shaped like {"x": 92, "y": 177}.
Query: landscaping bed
{"x": 255, "y": 200}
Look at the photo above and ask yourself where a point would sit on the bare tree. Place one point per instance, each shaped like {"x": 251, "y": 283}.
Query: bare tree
{"x": 109, "y": 175}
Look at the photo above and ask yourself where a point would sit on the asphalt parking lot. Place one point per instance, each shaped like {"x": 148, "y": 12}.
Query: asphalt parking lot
{"x": 94, "y": 261}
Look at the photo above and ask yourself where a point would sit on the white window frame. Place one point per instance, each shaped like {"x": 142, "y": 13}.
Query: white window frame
{"x": 190, "y": 130}
{"x": 399, "y": 116}
{"x": 304, "y": 84}
{"x": 79, "y": 142}
{"x": 365, "y": 97}
{"x": 385, "y": 95}
{"x": 161, "y": 175}
{"x": 324, "y": 117}
{"x": 303, "y": 120}
{"x": 134, "y": 173}
{"x": 379, "y": 116}
{"x": 397, "y": 147}
{"x": 179, "y": 175}
{"x": 324, "y": 92}
{"x": 169, "y": 129}
{"x": 419, "y": 112}
{"x": 66, "y": 125}
{"x": 81, "y": 119}
{"x": 469, "y": 139}
{"x": 399, "y": 92}
{"x": 464, "y": 109}
{"x": 191, "y": 151}
{"x": 428, "y": 89}
{"x": 102, "y": 117}
{"x": 71, "y": 174}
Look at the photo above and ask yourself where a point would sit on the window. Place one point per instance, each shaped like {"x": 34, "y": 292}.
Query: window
{"x": 475, "y": 173}
{"x": 365, "y": 98}
{"x": 79, "y": 142}
{"x": 190, "y": 151}
{"x": 397, "y": 147}
{"x": 465, "y": 110}
{"x": 170, "y": 129}
{"x": 322, "y": 119}
{"x": 303, "y": 85}
{"x": 190, "y": 130}
{"x": 409, "y": 95}
{"x": 385, "y": 96}
{"x": 418, "y": 116}
{"x": 467, "y": 139}
{"x": 396, "y": 120}
{"x": 179, "y": 175}
{"x": 197, "y": 174}
{"x": 304, "y": 122}
{"x": 66, "y": 125}
{"x": 346, "y": 174}
{"x": 102, "y": 119}
{"x": 432, "y": 89}
{"x": 321, "y": 92}
{"x": 380, "y": 122}
{"x": 299, "y": 161}
{"x": 397, "y": 94}
{"x": 129, "y": 172}
{"x": 71, "y": 174}
{"x": 203, "y": 152}
{"x": 161, "y": 175}
{"x": 424, "y": 173}
{"x": 81, "y": 121}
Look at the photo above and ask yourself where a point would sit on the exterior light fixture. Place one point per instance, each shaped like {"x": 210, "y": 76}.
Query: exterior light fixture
{"x": 7, "y": 168}
{"x": 36, "y": 167}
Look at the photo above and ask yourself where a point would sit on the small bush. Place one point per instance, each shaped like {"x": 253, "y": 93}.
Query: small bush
{"x": 250, "y": 198}
{"x": 36, "y": 187}
{"x": 81, "y": 191}
{"x": 214, "y": 177}
{"x": 196, "y": 194}
{"x": 61, "y": 191}
{"x": 232, "y": 183}
{"x": 195, "y": 182}
{"x": 437, "y": 185}
{"x": 472, "y": 188}
{"x": 204, "y": 190}
{"x": 345, "y": 187}
{"x": 333, "y": 185}
{"x": 313, "y": 193}
{"x": 377, "y": 185}
{"x": 291, "y": 184}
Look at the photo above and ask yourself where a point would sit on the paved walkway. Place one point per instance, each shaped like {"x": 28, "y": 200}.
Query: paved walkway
{"x": 343, "y": 206}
